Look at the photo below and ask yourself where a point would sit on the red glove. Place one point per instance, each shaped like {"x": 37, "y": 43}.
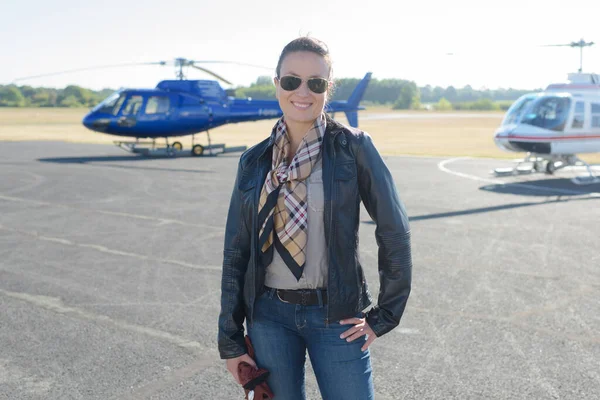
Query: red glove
{"x": 254, "y": 380}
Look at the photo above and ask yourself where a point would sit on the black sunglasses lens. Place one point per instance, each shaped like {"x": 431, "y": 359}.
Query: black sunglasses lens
{"x": 290, "y": 82}
{"x": 317, "y": 85}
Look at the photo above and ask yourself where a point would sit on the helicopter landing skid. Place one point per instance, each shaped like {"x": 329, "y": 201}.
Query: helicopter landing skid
{"x": 532, "y": 164}
{"x": 146, "y": 148}
{"x": 519, "y": 170}
{"x": 528, "y": 165}
{"x": 149, "y": 149}
{"x": 586, "y": 180}
{"x": 589, "y": 179}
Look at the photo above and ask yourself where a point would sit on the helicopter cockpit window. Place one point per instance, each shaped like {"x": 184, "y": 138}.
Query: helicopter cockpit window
{"x": 579, "y": 115}
{"x": 549, "y": 113}
{"x": 118, "y": 105}
{"x": 109, "y": 104}
{"x": 133, "y": 105}
{"x": 157, "y": 105}
{"x": 513, "y": 116}
{"x": 595, "y": 115}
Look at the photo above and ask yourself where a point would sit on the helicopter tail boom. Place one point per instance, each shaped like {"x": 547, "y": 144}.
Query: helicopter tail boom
{"x": 359, "y": 91}
{"x": 352, "y": 105}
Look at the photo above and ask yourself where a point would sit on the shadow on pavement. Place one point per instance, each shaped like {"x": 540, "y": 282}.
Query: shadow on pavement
{"x": 543, "y": 188}
{"x": 559, "y": 189}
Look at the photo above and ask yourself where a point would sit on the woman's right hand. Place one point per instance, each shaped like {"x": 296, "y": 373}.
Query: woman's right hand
{"x": 232, "y": 365}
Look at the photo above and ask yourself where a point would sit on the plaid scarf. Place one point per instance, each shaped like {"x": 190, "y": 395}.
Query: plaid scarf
{"x": 283, "y": 200}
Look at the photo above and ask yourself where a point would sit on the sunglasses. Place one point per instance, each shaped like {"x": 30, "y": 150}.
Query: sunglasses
{"x": 316, "y": 85}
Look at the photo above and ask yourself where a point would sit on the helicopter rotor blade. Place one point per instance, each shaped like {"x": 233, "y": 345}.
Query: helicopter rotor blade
{"x": 231, "y": 62}
{"x": 88, "y": 69}
{"x": 178, "y": 62}
{"x": 211, "y": 73}
{"x": 580, "y": 43}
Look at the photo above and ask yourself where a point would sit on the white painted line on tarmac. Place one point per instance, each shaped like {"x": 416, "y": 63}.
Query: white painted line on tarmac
{"x": 161, "y": 221}
{"x": 104, "y": 249}
{"x": 442, "y": 167}
{"x": 56, "y": 305}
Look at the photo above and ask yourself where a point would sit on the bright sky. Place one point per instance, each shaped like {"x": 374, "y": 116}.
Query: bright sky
{"x": 494, "y": 44}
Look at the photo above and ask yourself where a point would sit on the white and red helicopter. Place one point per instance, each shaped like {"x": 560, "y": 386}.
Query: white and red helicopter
{"x": 553, "y": 126}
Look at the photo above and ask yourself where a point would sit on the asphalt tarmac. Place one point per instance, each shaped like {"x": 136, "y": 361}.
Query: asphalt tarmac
{"x": 110, "y": 279}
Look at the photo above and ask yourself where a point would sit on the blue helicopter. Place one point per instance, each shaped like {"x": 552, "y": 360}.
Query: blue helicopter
{"x": 187, "y": 107}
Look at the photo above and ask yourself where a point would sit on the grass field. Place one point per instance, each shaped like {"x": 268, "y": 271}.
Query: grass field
{"x": 424, "y": 133}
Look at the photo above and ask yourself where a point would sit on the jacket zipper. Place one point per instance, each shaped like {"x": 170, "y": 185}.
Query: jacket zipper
{"x": 254, "y": 270}
{"x": 255, "y": 245}
{"x": 329, "y": 244}
{"x": 255, "y": 226}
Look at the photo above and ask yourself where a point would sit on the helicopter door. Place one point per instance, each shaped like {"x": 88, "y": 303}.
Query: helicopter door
{"x": 129, "y": 112}
{"x": 595, "y": 117}
{"x": 154, "y": 119}
{"x": 157, "y": 105}
{"x": 578, "y": 115}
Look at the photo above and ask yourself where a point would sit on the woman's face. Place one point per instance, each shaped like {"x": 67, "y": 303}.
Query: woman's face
{"x": 302, "y": 106}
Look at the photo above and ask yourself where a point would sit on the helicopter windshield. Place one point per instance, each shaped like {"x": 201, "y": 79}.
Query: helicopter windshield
{"x": 548, "y": 112}
{"x": 111, "y": 104}
{"x": 514, "y": 113}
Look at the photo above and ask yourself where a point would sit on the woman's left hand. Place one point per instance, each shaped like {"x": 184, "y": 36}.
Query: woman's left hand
{"x": 360, "y": 328}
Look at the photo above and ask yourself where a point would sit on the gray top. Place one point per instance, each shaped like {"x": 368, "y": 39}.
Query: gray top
{"x": 314, "y": 276}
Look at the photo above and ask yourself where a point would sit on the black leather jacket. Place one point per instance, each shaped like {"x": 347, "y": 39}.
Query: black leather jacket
{"x": 353, "y": 171}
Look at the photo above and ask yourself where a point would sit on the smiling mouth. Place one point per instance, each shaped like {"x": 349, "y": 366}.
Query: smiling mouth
{"x": 302, "y": 106}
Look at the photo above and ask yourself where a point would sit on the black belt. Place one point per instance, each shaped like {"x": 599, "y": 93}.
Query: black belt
{"x": 306, "y": 297}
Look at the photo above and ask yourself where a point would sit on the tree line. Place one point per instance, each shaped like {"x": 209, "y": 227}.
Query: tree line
{"x": 403, "y": 94}
{"x": 71, "y": 96}
{"x": 397, "y": 93}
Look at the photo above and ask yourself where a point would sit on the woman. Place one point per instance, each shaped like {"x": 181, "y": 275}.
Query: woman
{"x": 291, "y": 265}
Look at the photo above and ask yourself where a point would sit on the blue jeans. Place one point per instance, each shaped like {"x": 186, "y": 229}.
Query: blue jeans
{"x": 281, "y": 335}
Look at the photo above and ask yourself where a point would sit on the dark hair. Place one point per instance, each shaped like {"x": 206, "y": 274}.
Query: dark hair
{"x": 305, "y": 43}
